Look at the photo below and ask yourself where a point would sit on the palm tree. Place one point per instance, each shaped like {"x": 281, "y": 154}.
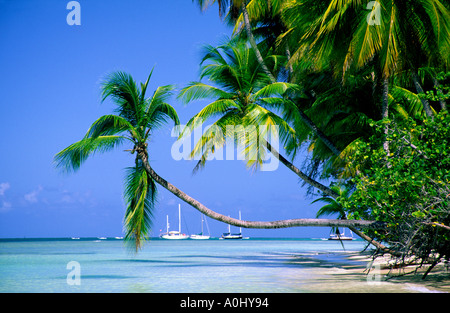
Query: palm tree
{"x": 136, "y": 118}
{"x": 243, "y": 96}
{"x": 333, "y": 206}
{"x": 234, "y": 7}
{"x": 239, "y": 7}
{"x": 336, "y": 35}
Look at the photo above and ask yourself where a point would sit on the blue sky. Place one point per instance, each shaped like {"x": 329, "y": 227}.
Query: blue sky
{"x": 50, "y": 95}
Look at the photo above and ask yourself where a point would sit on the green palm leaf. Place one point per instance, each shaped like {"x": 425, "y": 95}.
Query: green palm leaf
{"x": 110, "y": 125}
{"x": 198, "y": 91}
{"x": 74, "y": 155}
{"x": 141, "y": 196}
{"x": 135, "y": 117}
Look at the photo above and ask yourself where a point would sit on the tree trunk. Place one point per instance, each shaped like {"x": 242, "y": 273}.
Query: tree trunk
{"x": 373, "y": 242}
{"x": 439, "y": 89}
{"x": 290, "y": 67}
{"x": 385, "y": 115}
{"x": 272, "y": 78}
{"x": 319, "y": 133}
{"x": 252, "y": 41}
{"x": 425, "y": 103}
{"x": 299, "y": 173}
{"x": 248, "y": 224}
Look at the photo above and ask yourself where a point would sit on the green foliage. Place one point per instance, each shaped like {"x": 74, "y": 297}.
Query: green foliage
{"x": 409, "y": 189}
{"x": 135, "y": 119}
{"x": 441, "y": 91}
{"x": 333, "y": 206}
{"x": 141, "y": 196}
{"x": 242, "y": 95}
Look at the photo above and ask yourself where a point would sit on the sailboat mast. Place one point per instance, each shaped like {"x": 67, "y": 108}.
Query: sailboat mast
{"x": 202, "y": 224}
{"x": 179, "y": 218}
{"x": 167, "y": 223}
{"x": 240, "y": 228}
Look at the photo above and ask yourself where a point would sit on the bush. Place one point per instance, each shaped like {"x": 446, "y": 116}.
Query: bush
{"x": 409, "y": 189}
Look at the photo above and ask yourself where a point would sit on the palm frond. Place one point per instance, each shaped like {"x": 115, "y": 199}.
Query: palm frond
{"x": 140, "y": 196}
{"x": 198, "y": 91}
{"x": 122, "y": 88}
{"x": 213, "y": 137}
{"x": 332, "y": 206}
{"x": 161, "y": 95}
{"x": 215, "y": 108}
{"x": 275, "y": 89}
{"x": 439, "y": 17}
{"x": 71, "y": 158}
{"x": 110, "y": 125}
{"x": 144, "y": 86}
{"x": 159, "y": 115}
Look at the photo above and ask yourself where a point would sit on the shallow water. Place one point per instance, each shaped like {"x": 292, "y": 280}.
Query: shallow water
{"x": 185, "y": 266}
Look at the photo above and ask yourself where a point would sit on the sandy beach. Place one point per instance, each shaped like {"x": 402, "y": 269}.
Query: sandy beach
{"x": 348, "y": 272}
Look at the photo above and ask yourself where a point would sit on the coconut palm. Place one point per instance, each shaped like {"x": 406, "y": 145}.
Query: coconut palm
{"x": 136, "y": 119}
{"x": 243, "y": 96}
{"x": 241, "y": 88}
{"x": 338, "y": 36}
{"x": 333, "y": 206}
{"x": 238, "y": 12}
{"x": 234, "y": 7}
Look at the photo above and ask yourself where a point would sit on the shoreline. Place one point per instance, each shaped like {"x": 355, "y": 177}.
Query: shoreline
{"x": 437, "y": 280}
{"x": 350, "y": 270}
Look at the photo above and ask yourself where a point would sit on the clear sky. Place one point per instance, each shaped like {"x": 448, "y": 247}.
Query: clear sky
{"x": 50, "y": 95}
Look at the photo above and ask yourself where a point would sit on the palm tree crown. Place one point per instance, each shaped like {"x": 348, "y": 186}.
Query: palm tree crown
{"x": 242, "y": 95}
{"x": 136, "y": 118}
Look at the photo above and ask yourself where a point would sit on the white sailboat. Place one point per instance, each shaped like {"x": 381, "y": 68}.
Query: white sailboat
{"x": 201, "y": 236}
{"x": 229, "y": 235}
{"x": 174, "y": 234}
{"x": 340, "y": 236}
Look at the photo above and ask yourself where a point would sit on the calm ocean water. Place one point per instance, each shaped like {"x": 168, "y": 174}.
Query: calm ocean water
{"x": 254, "y": 265}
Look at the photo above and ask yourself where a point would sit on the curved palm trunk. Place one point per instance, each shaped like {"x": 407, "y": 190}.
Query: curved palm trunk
{"x": 351, "y": 224}
{"x": 299, "y": 173}
{"x": 248, "y": 224}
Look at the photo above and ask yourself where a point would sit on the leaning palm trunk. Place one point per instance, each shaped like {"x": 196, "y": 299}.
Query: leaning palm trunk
{"x": 378, "y": 245}
{"x": 247, "y": 224}
{"x": 351, "y": 224}
{"x": 299, "y": 173}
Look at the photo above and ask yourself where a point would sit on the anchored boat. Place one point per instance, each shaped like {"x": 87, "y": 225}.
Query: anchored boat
{"x": 229, "y": 235}
{"x": 340, "y": 236}
{"x": 201, "y": 236}
{"x": 174, "y": 234}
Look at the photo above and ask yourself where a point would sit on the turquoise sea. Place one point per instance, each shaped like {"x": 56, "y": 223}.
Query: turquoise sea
{"x": 184, "y": 266}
